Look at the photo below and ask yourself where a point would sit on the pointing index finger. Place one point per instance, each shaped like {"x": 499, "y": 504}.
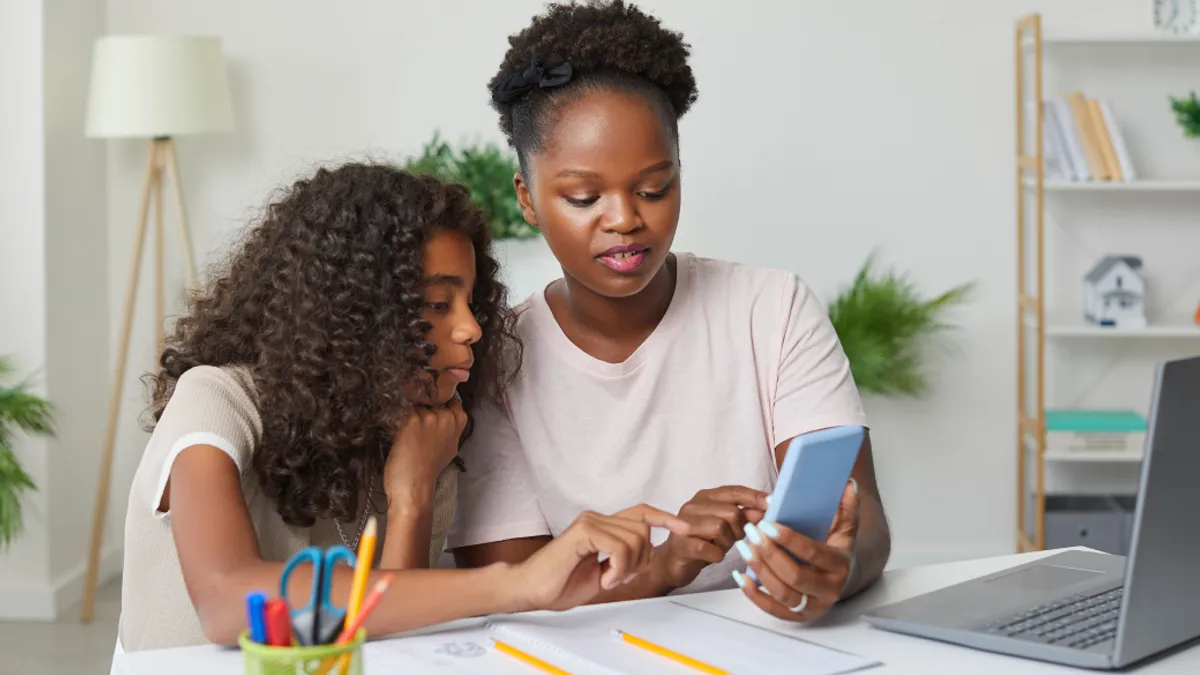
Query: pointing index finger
{"x": 656, "y": 518}
{"x": 740, "y": 495}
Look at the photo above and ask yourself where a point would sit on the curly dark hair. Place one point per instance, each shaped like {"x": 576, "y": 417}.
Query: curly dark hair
{"x": 611, "y": 46}
{"x": 322, "y": 300}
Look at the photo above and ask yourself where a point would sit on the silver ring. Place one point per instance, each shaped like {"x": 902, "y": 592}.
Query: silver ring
{"x": 800, "y": 607}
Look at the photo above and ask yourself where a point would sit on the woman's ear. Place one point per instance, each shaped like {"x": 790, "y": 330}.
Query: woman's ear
{"x": 524, "y": 199}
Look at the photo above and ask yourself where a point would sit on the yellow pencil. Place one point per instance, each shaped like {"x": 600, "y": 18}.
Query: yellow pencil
{"x": 358, "y": 587}
{"x": 531, "y": 660}
{"x": 362, "y": 569}
{"x": 667, "y": 653}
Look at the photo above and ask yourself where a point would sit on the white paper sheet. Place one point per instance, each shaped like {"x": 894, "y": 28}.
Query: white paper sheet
{"x": 584, "y": 643}
{"x": 459, "y": 651}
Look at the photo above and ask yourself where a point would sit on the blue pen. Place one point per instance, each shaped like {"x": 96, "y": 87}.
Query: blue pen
{"x": 256, "y": 604}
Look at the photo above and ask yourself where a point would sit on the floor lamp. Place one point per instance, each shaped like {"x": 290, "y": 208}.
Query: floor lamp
{"x": 152, "y": 87}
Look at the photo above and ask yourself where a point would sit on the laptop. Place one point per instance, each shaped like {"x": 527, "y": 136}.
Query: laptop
{"x": 1086, "y": 609}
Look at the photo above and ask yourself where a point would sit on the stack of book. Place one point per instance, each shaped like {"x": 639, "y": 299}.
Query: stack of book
{"x": 1116, "y": 432}
{"x": 1082, "y": 142}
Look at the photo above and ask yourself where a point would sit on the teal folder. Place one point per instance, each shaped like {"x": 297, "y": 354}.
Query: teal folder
{"x": 1095, "y": 421}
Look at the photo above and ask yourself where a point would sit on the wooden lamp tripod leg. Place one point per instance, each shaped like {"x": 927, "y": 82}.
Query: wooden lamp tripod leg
{"x": 159, "y": 236}
{"x": 153, "y": 175}
{"x": 189, "y": 260}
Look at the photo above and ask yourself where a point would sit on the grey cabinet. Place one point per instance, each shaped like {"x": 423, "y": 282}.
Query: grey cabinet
{"x": 1102, "y": 522}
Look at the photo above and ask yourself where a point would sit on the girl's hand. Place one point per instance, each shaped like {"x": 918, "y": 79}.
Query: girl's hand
{"x": 568, "y": 571}
{"x": 716, "y": 518}
{"x": 423, "y": 447}
{"x": 795, "y": 592}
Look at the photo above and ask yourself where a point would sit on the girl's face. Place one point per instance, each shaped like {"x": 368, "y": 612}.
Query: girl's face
{"x": 448, "y": 261}
{"x": 605, "y": 192}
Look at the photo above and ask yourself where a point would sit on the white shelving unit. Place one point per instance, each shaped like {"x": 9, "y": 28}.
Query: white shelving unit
{"x": 1117, "y": 186}
{"x": 1034, "y": 328}
{"x": 1151, "y": 332}
{"x": 1116, "y": 39}
{"x": 1092, "y": 457}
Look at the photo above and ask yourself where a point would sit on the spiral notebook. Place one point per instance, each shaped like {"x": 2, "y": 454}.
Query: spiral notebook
{"x": 585, "y": 643}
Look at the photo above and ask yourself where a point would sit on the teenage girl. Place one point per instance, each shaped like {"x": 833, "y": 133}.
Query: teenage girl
{"x": 322, "y": 377}
{"x": 651, "y": 376}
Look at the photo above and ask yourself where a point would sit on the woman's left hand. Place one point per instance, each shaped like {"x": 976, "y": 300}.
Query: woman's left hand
{"x": 795, "y": 592}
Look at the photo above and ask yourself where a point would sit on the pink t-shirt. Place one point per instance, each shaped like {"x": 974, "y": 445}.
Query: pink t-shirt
{"x": 744, "y": 359}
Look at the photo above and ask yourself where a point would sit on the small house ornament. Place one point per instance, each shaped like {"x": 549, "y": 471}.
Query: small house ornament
{"x": 1114, "y": 293}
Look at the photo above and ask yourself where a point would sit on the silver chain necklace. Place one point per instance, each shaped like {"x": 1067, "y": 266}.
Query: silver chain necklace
{"x": 362, "y": 522}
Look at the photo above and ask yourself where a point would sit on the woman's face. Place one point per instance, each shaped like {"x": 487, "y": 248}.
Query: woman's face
{"x": 605, "y": 192}
{"x": 448, "y": 261}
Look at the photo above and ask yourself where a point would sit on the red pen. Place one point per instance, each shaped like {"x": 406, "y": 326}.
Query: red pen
{"x": 279, "y": 623}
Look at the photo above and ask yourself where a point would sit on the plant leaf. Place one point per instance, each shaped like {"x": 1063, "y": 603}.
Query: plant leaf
{"x": 884, "y": 324}
{"x": 487, "y": 171}
{"x": 14, "y": 482}
{"x": 20, "y": 410}
{"x": 1187, "y": 114}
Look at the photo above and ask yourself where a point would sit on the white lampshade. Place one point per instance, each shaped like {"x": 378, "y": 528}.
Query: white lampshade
{"x": 158, "y": 85}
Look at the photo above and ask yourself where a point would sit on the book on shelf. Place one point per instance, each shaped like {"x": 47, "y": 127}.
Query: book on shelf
{"x": 1095, "y": 431}
{"x": 1081, "y": 141}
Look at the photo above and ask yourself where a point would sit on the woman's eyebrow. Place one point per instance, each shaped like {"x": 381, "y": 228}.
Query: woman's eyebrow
{"x": 444, "y": 280}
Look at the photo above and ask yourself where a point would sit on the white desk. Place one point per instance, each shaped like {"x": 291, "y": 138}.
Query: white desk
{"x": 841, "y": 630}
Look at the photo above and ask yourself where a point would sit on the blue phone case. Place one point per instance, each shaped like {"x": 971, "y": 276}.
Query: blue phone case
{"x": 813, "y": 479}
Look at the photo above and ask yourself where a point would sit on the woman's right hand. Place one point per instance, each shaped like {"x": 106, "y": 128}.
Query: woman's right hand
{"x": 716, "y": 517}
{"x": 422, "y": 448}
{"x": 568, "y": 571}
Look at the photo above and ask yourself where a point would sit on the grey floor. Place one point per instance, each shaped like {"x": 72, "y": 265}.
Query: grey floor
{"x": 66, "y": 646}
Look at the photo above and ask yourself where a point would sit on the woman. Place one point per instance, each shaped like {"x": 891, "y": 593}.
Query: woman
{"x": 328, "y": 373}
{"x": 652, "y": 376}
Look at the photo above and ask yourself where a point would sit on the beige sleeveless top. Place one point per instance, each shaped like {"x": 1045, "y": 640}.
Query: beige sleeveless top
{"x": 217, "y": 407}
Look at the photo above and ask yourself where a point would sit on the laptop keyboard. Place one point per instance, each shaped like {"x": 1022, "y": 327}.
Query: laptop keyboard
{"x": 1078, "y": 622}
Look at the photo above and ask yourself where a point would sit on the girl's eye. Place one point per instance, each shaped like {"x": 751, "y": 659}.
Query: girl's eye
{"x": 438, "y": 306}
{"x": 655, "y": 195}
{"x": 581, "y": 203}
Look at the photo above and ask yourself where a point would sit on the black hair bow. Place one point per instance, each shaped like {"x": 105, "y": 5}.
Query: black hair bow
{"x": 534, "y": 76}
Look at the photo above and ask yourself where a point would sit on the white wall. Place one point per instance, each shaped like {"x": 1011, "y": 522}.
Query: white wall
{"x": 823, "y": 130}
{"x": 77, "y": 302}
{"x": 54, "y": 304}
{"x": 23, "y": 568}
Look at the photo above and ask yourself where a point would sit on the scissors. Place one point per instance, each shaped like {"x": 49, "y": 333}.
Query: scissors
{"x": 318, "y": 622}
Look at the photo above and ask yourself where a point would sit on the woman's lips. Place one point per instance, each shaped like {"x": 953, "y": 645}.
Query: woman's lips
{"x": 624, "y": 259}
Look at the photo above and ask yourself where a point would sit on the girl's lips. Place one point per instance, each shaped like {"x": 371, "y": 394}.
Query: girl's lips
{"x": 624, "y": 262}
{"x": 459, "y": 374}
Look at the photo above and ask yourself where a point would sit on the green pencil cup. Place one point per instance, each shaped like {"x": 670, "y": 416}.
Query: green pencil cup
{"x": 263, "y": 659}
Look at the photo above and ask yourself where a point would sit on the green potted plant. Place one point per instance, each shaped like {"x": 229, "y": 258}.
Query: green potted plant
{"x": 885, "y": 326}
{"x": 486, "y": 170}
{"x": 1187, "y": 114}
{"x": 20, "y": 411}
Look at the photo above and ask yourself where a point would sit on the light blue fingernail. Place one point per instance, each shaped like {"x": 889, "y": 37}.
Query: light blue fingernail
{"x": 741, "y": 580}
{"x": 768, "y": 528}
{"x": 769, "y": 500}
{"x": 854, "y": 486}
{"x": 744, "y": 550}
{"x": 753, "y": 534}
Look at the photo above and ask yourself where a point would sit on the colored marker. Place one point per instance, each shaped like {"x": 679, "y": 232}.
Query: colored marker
{"x": 256, "y": 616}
{"x": 279, "y": 623}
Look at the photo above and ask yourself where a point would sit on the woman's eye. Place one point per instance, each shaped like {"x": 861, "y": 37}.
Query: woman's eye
{"x": 438, "y": 306}
{"x": 585, "y": 202}
{"x": 655, "y": 195}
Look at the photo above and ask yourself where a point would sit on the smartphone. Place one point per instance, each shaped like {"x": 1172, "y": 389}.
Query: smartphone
{"x": 813, "y": 479}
